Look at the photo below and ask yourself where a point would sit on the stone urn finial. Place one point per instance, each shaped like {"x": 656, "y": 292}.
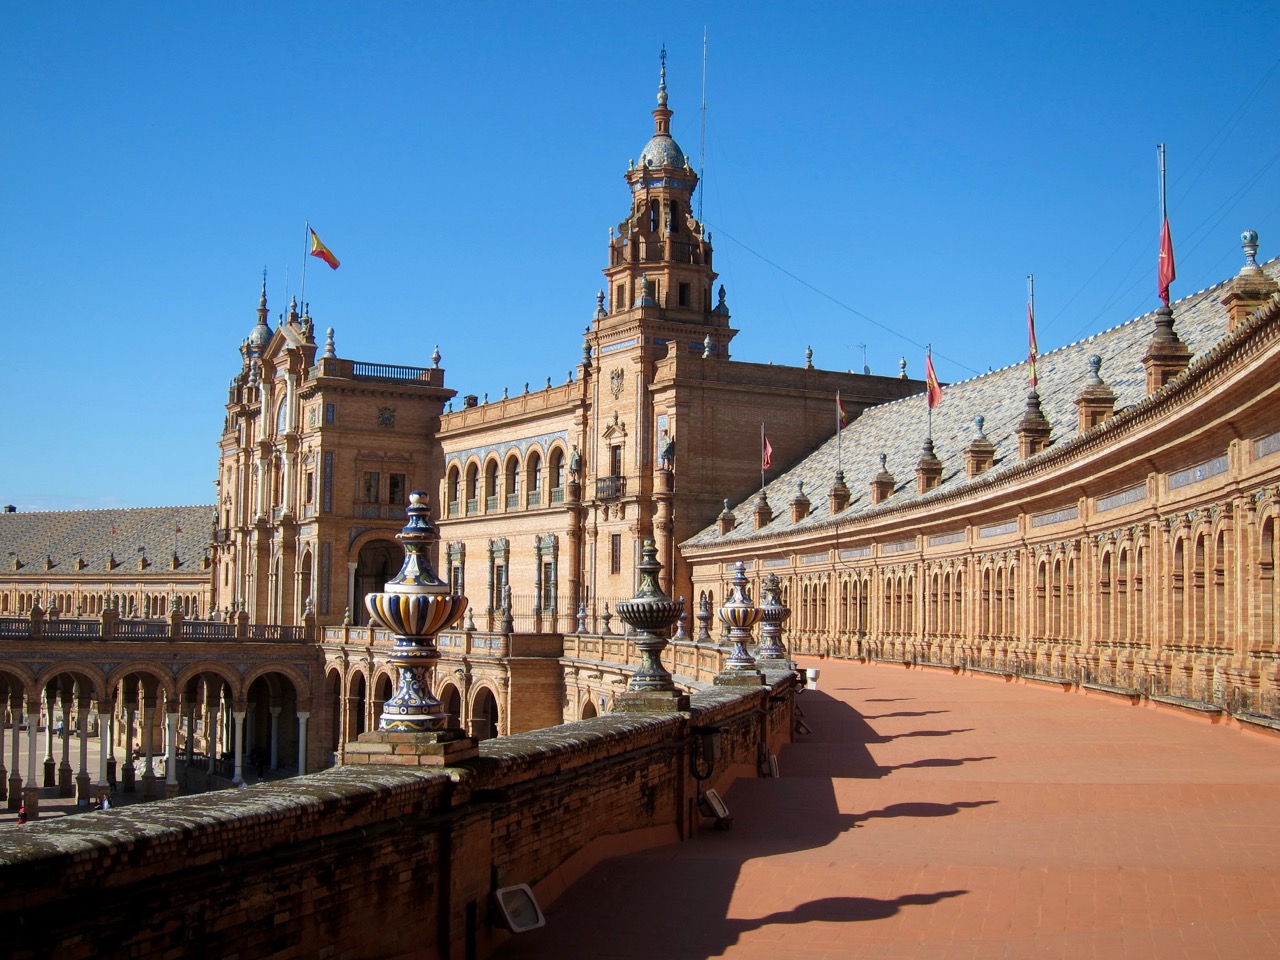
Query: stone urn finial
{"x": 650, "y": 613}
{"x": 739, "y": 615}
{"x": 415, "y": 605}
{"x": 773, "y": 613}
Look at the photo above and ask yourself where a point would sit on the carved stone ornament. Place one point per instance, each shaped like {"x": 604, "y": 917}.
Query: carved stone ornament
{"x": 616, "y": 377}
{"x": 386, "y": 416}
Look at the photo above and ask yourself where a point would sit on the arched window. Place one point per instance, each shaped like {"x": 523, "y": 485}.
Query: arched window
{"x": 473, "y": 486}
{"x": 491, "y": 485}
{"x": 512, "y": 479}
{"x": 453, "y": 488}
{"x": 533, "y": 477}
{"x": 557, "y": 469}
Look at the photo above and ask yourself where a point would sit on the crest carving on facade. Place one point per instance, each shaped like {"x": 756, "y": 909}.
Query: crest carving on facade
{"x": 386, "y": 416}
{"x": 615, "y": 382}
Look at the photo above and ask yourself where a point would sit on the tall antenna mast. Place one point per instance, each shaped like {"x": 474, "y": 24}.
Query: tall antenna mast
{"x": 702, "y": 145}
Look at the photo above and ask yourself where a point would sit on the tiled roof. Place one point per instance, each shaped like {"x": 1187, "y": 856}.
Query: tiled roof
{"x": 898, "y": 429}
{"x": 63, "y": 536}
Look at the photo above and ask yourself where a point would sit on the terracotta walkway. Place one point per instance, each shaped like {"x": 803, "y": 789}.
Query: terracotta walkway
{"x": 933, "y": 816}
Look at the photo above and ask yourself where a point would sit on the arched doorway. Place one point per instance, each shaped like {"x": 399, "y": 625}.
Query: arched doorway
{"x": 378, "y": 562}
{"x": 451, "y": 700}
{"x": 271, "y": 728}
{"x": 484, "y": 715}
{"x": 588, "y": 709}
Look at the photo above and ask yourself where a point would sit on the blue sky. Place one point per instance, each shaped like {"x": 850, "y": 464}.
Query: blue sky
{"x": 883, "y": 174}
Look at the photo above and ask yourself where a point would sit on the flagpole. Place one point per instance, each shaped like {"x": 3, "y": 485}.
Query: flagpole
{"x": 305, "y": 237}
{"x": 762, "y": 456}
{"x": 1164, "y": 211}
{"x": 928, "y": 400}
{"x": 839, "y": 436}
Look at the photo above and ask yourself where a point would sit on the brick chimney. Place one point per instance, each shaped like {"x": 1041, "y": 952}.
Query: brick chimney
{"x": 1250, "y": 288}
{"x": 980, "y": 454}
{"x": 1034, "y": 428}
{"x": 800, "y": 505}
{"x": 882, "y": 483}
{"x": 838, "y": 495}
{"x": 726, "y": 521}
{"x": 928, "y": 468}
{"x": 1096, "y": 401}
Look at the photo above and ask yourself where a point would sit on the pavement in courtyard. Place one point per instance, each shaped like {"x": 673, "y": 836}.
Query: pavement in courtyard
{"x": 935, "y": 816}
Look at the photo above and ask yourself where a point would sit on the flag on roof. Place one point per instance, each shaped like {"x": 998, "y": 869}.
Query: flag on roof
{"x": 1033, "y": 350}
{"x": 318, "y": 249}
{"x": 841, "y": 413}
{"x": 932, "y": 387}
{"x": 766, "y": 458}
{"x": 1167, "y": 272}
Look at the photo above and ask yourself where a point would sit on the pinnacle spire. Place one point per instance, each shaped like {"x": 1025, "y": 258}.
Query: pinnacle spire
{"x": 662, "y": 77}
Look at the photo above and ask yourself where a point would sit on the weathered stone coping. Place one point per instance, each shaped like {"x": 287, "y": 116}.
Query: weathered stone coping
{"x": 84, "y": 854}
{"x": 1209, "y": 710}
{"x": 1131, "y": 694}
{"x": 1049, "y": 681}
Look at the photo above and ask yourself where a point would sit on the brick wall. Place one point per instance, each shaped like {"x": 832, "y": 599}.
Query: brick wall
{"x": 370, "y": 861}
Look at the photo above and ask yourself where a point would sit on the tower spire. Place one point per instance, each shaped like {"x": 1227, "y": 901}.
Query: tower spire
{"x": 662, "y": 77}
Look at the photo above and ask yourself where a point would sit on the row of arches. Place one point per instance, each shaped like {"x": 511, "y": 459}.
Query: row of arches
{"x": 509, "y": 482}
{"x": 138, "y": 602}
{"x": 1200, "y": 585}
{"x": 209, "y": 722}
{"x": 356, "y": 702}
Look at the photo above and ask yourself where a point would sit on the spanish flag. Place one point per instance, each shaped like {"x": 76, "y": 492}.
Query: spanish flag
{"x": 318, "y": 249}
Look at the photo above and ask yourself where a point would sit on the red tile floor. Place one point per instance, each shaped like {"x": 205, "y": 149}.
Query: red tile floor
{"x": 935, "y": 816}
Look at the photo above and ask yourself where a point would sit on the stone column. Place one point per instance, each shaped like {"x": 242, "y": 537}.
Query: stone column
{"x": 302, "y": 742}
{"x": 210, "y": 727}
{"x": 4, "y": 773}
{"x": 144, "y": 734}
{"x": 191, "y": 727}
{"x": 171, "y": 752}
{"x": 66, "y": 786}
{"x": 127, "y": 774}
{"x": 83, "y": 780}
{"x": 239, "y": 716}
{"x": 15, "y": 776}
{"x": 31, "y": 793}
{"x": 104, "y": 740}
{"x": 50, "y": 765}
{"x": 275, "y": 738}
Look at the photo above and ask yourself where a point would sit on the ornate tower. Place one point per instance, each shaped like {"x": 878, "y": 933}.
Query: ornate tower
{"x": 659, "y": 273}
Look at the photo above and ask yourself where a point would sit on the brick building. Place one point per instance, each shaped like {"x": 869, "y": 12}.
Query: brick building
{"x": 1116, "y": 525}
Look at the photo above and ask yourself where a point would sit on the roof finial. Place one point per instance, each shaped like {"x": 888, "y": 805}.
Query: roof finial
{"x": 262, "y": 300}
{"x": 662, "y": 78}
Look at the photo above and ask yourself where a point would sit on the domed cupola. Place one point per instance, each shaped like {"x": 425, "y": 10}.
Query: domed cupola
{"x": 662, "y": 152}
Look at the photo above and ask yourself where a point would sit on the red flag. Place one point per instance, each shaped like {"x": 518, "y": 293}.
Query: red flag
{"x": 767, "y": 459}
{"x": 1033, "y": 350}
{"x": 841, "y": 413}
{"x": 1167, "y": 271}
{"x": 318, "y": 249}
{"x": 932, "y": 387}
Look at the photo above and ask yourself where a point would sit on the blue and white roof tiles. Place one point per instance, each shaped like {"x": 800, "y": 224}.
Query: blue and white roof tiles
{"x": 898, "y": 428}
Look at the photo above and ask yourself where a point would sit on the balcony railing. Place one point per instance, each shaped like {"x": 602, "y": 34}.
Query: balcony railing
{"x": 361, "y": 370}
{"x": 611, "y": 488}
